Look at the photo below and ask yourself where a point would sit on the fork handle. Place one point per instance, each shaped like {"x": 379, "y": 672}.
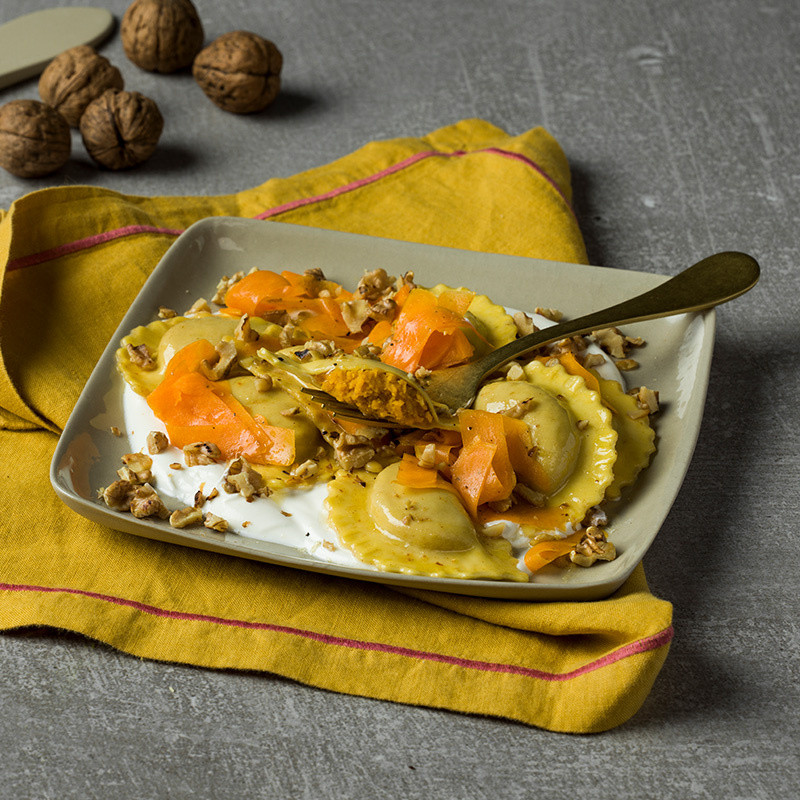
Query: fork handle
{"x": 714, "y": 280}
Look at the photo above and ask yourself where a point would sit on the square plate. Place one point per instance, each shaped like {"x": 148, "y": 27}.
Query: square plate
{"x": 675, "y": 361}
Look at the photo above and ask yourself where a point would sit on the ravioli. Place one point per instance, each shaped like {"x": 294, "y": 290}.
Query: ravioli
{"x": 413, "y": 531}
{"x": 574, "y": 438}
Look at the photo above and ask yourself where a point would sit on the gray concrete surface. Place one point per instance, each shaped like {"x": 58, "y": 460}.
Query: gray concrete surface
{"x": 680, "y": 119}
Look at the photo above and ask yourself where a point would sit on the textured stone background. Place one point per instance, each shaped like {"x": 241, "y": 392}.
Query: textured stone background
{"x": 680, "y": 120}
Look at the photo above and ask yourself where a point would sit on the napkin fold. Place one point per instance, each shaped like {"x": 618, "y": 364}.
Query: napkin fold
{"x": 74, "y": 258}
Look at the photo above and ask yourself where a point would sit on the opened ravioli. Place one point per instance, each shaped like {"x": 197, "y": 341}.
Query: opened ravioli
{"x": 413, "y": 531}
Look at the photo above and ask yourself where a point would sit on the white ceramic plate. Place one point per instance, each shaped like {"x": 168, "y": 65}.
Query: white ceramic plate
{"x": 675, "y": 361}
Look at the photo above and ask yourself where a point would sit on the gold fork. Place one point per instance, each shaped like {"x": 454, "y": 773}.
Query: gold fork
{"x": 714, "y": 280}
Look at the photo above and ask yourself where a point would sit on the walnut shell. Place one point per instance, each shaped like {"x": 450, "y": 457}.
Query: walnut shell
{"x": 34, "y": 139}
{"x": 239, "y": 72}
{"x": 74, "y": 78}
{"x": 161, "y": 35}
{"x": 121, "y": 129}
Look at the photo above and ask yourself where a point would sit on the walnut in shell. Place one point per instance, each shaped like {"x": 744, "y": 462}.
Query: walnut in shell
{"x": 74, "y": 78}
{"x": 239, "y": 72}
{"x": 34, "y": 139}
{"x": 161, "y": 35}
{"x": 121, "y": 129}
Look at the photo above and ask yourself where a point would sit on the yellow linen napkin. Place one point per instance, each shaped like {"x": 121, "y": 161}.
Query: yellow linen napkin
{"x": 74, "y": 258}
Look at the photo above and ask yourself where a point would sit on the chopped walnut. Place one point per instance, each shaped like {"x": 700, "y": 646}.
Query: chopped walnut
{"x": 590, "y": 360}
{"x": 316, "y": 273}
{"x": 612, "y": 341}
{"x": 524, "y": 324}
{"x": 184, "y": 517}
{"x": 375, "y": 285}
{"x": 554, "y": 315}
{"x": 427, "y": 458}
{"x": 287, "y": 334}
{"x": 627, "y": 364}
{"x": 115, "y": 431}
{"x": 224, "y": 284}
{"x": 243, "y": 332}
{"x": 368, "y": 351}
{"x": 592, "y": 547}
{"x": 146, "y": 503}
{"x": 305, "y": 470}
{"x": 353, "y": 456}
{"x": 118, "y": 495}
{"x": 355, "y": 313}
{"x": 501, "y": 506}
{"x": 140, "y": 356}
{"x": 515, "y": 372}
{"x": 241, "y": 478}
{"x": 323, "y": 347}
{"x": 157, "y": 442}
{"x": 166, "y": 313}
{"x": 383, "y": 309}
{"x": 200, "y": 308}
{"x": 137, "y": 468}
{"x": 221, "y": 367}
{"x": 215, "y": 523}
{"x": 582, "y": 424}
{"x": 646, "y": 399}
{"x": 200, "y": 453}
{"x": 519, "y": 408}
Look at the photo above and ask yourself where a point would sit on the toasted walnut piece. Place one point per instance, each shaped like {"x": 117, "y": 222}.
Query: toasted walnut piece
{"x": 368, "y": 351}
{"x": 215, "y": 523}
{"x": 244, "y": 332}
{"x": 646, "y": 399}
{"x": 121, "y": 129}
{"x": 140, "y": 356}
{"x": 355, "y": 313}
{"x": 592, "y": 547}
{"x": 199, "y": 498}
{"x": 634, "y": 341}
{"x": 323, "y": 347}
{"x": 213, "y": 493}
{"x": 375, "y": 285}
{"x": 115, "y": 431}
{"x": 612, "y": 341}
{"x": 524, "y": 323}
{"x": 241, "y": 478}
{"x": 384, "y": 309}
{"x": 200, "y": 308}
{"x": 520, "y": 408}
{"x": 76, "y": 77}
{"x": 316, "y": 273}
{"x": 138, "y": 478}
{"x": 34, "y": 139}
{"x": 176, "y": 465}
{"x": 146, "y": 503}
{"x": 184, "y": 517}
{"x": 427, "y": 458}
{"x": 224, "y": 284}
{"x": 157, "y": 442}
{"x": 305, "y": 470}
{"x": 553, "y": 314}
{"x": 138, "y": 462}
{"x": 221, "y": 367}
{"x": 166, "y": 313}
{"x": 239, "y": 72}
{"x": 501, "y": 506}
{"x": 590, "y": 360}
{"x": 515, "y": 372}
{"x": 582, "y": 424}
{"x": 118, "y": 495}
{"x": 200, "y": 453}
{"x": 626, "y": 364}
{"x": 161, "y": 35}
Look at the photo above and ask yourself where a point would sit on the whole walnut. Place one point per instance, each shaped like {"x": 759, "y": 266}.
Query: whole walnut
{"x": 73, "y": 79}
{"x": 239, "y": 72}
{"x": 161, "y": 35}
{"x": 34, "y": 139}
{"x": 121, "y": 129}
